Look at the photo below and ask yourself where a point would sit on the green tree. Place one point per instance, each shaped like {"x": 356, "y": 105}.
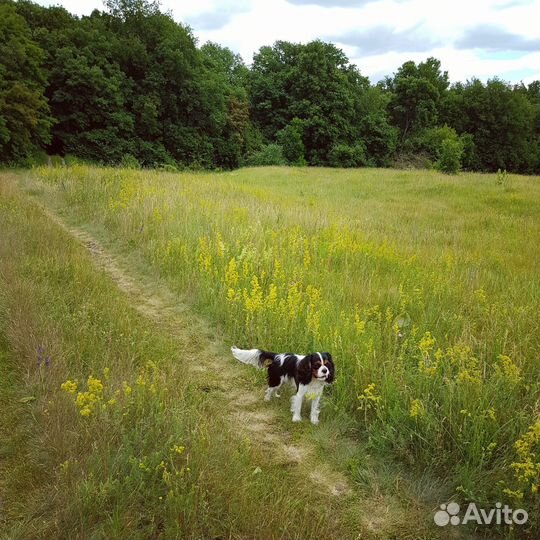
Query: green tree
{"x": 313, "y": 83}
{"x": 449, "y": 155}
{"x": 343, "y": 155}
{"x": 270, "y": 78}
{"x": 375, "y": 131}
{"x": 88, "y": 103}
{"x": 270, "y": 154}
{"x": 290, "y": 139}
{"x": 25, "y": 121}
{"x": 501, "y": 121}
{"x": 132, "y": 9}
{"x": 225, "y": 79}
{"x": 416, "y": 94}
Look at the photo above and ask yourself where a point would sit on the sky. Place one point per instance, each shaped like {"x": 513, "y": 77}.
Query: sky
{"x": 471, "y": 38}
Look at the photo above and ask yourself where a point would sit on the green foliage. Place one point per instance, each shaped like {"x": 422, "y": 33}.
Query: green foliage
{"x": 270, "y": 154}
{"x": 25, "y": 121}
{"x": 290, "y": 140}
{"x": 129, "y": 162}
{"x": 131, "y": 80}
{"x": 126, "y": 9}
{"x": 450, "y": 153}
{"x": 431, "y": 139}
{"x": 345, "y": 156}
{"x": 379, "y": 137}
{"x": 501, "y": 121}
{"x": 313, "y": 83}
{"x": 416, "y": 93}
{"x": 440, "y": 146}
{"x": 469, "y": 158}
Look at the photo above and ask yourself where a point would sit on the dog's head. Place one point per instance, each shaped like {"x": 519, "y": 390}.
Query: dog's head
{"x": 317, "y": 366}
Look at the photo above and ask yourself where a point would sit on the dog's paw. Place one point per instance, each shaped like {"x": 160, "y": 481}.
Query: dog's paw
{"x": 296, "y": 418}
{"x": 314, "y": 421}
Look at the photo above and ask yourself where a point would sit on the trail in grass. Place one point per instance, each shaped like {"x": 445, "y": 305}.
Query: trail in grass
{"x": 211, "y": 365}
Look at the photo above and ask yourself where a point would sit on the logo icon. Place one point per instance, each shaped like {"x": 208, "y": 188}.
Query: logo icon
{"x": 447, "y": 514}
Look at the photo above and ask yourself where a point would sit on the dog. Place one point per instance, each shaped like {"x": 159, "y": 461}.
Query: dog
{"x": 309, "y": 373}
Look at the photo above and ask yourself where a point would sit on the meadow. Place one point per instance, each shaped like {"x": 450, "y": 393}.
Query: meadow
{"x": 103, "y": 434}
{"x": 424, "y": 287}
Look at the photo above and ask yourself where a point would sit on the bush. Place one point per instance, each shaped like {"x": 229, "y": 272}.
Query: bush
{"x": 343, "y": 155}
{"x": 129, "y": 161}
{"x": 271, "y": 154}
{"x": 450, "y": 154}
{"x": 430, "y": 141}
{"x": 379, "y": 137}
{"x": 469, "y": 159}
{"x": 290, "y": 139}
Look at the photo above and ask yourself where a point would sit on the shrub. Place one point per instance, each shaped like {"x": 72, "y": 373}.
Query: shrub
{"x": 469, "y": 159}
{"x": 379, "y": 137}
{"x": 271, "y": 154}
{"x": 290, "y": 139}
{"x": 430, "y": 140}
{"x": 129, "y": 161}
{"x": 343, "y": 155}
{"x": 411, "y": 160}
{"x": 450, "y": 154}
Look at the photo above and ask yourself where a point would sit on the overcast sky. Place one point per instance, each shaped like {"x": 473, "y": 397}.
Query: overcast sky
{"x": 482, "y": 38}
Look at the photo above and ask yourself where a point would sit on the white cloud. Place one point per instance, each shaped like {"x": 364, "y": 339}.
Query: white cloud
{"x": 246, "y": 25}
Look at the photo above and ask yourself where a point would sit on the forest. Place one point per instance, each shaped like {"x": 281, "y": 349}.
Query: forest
{"x": 130, "y": 85}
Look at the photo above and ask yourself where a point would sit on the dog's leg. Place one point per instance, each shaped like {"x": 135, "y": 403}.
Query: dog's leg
{"x": 281, "y": 381}
{"x": 296, "y": 405}
{"x": 314, "y": 417}
{"x": 272, "y": 391}
{"x": 274, "y": 382}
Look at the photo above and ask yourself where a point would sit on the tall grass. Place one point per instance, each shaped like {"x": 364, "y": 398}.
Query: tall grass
{"x": 102, "y": 433}
{"x": 425, "y": 289}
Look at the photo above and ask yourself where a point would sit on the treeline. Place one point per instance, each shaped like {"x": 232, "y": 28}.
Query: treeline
{"x": 129, "y": 85}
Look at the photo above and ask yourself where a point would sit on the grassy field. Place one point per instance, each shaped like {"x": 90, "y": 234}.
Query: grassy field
{"x": 424, "y": 287}
{"x": 106, "y": 430}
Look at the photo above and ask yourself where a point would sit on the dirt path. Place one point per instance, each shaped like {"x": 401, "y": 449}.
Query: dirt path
{"x": 247, "y": 410}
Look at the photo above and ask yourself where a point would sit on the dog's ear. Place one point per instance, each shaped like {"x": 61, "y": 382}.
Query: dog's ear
{"x": 331, "y": 368}
{"x": 304, "y": 370}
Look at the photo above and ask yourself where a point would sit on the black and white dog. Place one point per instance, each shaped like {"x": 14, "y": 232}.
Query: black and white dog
{"x": 309, "y": 373}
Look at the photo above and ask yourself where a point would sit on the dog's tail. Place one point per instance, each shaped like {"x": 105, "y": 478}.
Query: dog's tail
{"x": 253, "y": 357}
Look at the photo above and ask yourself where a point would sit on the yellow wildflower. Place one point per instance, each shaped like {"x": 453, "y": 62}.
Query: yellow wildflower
{"x": 426, "y": 343}
{"x": 69, "y": 386}
{"x": 417, "y": 408}
{"x": 369, "y": 398}
{"x": 95, "y": 386}
{"x": 508, "y": 370}
{"x": 231, "y": 274}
